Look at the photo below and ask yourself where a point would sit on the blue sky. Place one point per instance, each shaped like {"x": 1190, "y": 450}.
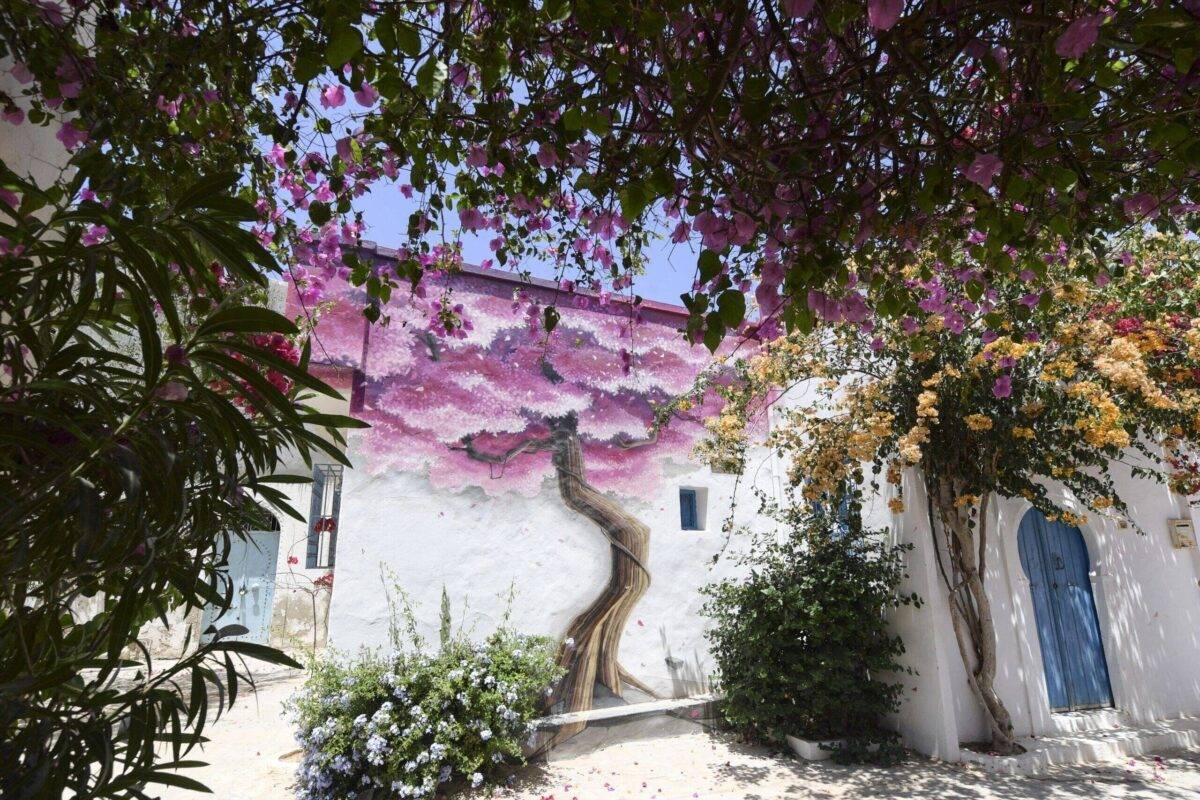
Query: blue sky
{"x": 669, "y": 271}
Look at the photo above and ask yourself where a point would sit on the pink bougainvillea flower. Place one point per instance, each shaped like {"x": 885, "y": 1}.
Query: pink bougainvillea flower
{"x": 172, "y": 391}
{"x": 9, "y": 198}
{"x": 1003, "y": 387}
{"x": 1139, "y": 205}
{"x": 333, "y": 96}
{"x": 883, "y": 14}
{"x": 984, "y": 169}
{"x": 1079, "y": 36}
{"x": 70, "y": 136}
{"x": 169, "y": 107}
{"x": 798, "y": 8}
{"x": 52, "y": 12}
{"x": 21, "y": 73}
{"x": 1127, "y": 325}
{"x": 94, "y": 235}
{"x": 277, "y": 156}
{"x": 14, "y": 115}
{"x": 324, "y": 194}
{"x": 1102, "y": 279}
{"x": 293, "y": 560}
{"x": 406, "y": 189}
{"x": 546, "y": 157}
{"x": 366, "y": 96}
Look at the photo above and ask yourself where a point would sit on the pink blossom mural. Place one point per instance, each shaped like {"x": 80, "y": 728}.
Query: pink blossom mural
{"x": 491, "y": 401}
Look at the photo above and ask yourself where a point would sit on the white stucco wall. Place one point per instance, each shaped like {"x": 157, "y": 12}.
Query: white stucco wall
{"x": 29, "y": 150}
{"x": 1148, "y": 603}
{"x": 552, "y": 561}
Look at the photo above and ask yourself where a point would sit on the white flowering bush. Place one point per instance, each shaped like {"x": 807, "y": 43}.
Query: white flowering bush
{"x": 402, "y": 725}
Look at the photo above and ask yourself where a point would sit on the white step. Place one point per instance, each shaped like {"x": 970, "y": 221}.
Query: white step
{"x": 1086, "y": 747}
{"x": 630, "y": 711}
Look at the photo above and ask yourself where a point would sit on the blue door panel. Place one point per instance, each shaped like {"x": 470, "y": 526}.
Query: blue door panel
{"x": 251, "y": 565}
{"x": 1033, "y": 560}
{"x": 1055, "y": 559}
{"x": 1080, "y": 604}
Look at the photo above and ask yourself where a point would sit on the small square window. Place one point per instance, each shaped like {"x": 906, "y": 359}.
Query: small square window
{"x": 689, "y": 510}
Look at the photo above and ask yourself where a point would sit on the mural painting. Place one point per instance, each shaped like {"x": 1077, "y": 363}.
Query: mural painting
{"x": 460, "y": 385}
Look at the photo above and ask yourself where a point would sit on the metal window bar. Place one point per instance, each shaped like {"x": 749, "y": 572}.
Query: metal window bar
{"x": 323, "y": 516}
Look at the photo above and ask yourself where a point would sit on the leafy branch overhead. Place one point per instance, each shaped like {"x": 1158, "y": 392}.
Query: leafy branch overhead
{"x": 774, "y": 137}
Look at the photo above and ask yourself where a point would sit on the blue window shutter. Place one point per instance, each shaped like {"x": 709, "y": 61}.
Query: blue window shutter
{"x": 687, "y": 509}
{"x": 314, "y": 514}
{"x": 843, "y": 514}
{"x": 337, "y": 518}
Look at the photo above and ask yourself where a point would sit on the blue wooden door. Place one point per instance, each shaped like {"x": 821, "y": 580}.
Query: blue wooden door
{"x": 252, "y": 570}
{"x": 1055, "y": 559}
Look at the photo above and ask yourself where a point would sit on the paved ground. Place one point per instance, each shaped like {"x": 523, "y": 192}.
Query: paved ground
{"x": 247, "y": 743}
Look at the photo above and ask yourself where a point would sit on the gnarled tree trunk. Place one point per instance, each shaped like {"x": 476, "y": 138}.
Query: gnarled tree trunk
{"x": 589, "y": 652}
{"x": 970, "y": 607}
{"x": 596, "y": 632}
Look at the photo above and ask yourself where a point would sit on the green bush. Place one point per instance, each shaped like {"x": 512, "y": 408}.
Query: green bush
{"x": 402, "y": 725}
{"x": 801, "y": 643}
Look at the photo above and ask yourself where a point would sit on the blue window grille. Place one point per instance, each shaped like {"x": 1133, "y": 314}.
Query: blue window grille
{"x": 323, "y": 516}
{"x": 689, "y": 518}
{"x": 839, "y": 516}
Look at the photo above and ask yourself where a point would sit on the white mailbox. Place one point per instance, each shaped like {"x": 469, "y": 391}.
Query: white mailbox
{"x": 1182, "y": 533}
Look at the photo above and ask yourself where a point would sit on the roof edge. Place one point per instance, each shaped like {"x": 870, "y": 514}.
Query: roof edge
{"x": 515, "y": 279}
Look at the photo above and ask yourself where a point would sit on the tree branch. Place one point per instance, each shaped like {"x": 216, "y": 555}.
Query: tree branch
{"x": 467, "y": 445}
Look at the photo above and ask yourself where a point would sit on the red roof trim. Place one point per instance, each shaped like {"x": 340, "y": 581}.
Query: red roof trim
{"x": 502, "y": 276}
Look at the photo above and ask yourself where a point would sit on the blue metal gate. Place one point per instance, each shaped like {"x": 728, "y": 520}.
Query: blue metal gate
{"x": 1055, "y": 559}
{"x": 252, "y": 570}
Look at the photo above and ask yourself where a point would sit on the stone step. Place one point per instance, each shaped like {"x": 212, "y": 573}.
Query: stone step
{"x": 1085, "y": 747}
{"x": 1093, "y": 720}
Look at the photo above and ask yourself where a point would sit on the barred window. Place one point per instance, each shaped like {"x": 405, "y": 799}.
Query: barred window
{"x": 323, "y": 516}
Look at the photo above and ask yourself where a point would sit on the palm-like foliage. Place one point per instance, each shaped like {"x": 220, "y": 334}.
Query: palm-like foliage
{"x": 141, "y": 422}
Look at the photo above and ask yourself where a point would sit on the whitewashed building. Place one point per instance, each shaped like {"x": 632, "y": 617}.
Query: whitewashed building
{"x": 460, "y": 485}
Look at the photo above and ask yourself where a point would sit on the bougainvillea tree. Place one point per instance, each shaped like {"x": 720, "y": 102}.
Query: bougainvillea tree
{"x": 494, "y": 403}
{"x": 778, "y": 136}
{"x": 1024, "y": 387}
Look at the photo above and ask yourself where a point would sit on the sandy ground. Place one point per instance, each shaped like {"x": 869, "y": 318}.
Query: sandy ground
{"x": 245, "y": 763}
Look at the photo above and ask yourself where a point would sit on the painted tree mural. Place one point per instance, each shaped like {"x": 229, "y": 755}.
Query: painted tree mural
{"x": 463, "y": 386}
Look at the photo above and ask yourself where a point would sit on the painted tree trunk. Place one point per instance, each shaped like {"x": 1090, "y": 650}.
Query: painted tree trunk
{"x": 592, "y": 641}
{"x": 970, "y": 606}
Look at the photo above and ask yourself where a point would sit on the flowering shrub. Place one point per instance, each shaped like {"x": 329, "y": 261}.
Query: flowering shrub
{"x": 801, "y": 641}
{"x": 1005, "y": 393}
{"x": 409, "y": 723}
